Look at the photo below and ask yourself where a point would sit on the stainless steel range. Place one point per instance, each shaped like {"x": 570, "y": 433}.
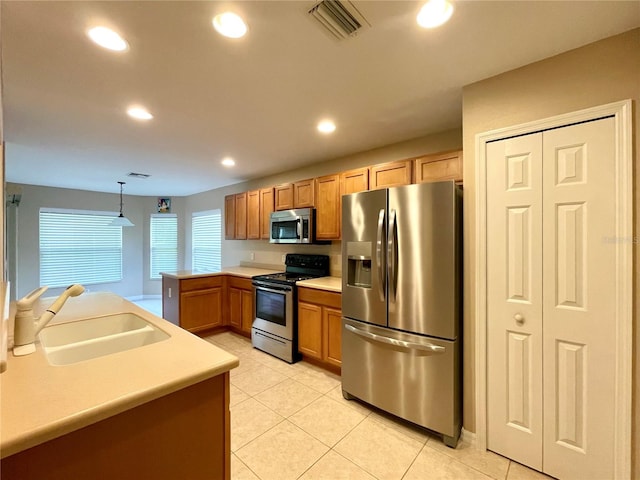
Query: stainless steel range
{"x": 275, "y": 327}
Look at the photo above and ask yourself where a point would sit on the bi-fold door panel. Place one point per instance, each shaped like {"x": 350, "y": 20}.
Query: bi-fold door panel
{"x": 514, "y": 273}
{"x": 579, "y": 261}
{"x": 551, "y": 273}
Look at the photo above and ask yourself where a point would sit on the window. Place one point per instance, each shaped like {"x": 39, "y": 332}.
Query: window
{"x": 164, "y": 244}
{"x": 206, "y": 241}
{"x": 79, "y": 246}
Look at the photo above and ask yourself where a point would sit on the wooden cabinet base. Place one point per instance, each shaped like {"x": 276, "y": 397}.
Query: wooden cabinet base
{"x": 181, "y": 435}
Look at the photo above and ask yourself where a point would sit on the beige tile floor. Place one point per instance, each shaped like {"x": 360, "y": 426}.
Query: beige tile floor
{"x": 291, "y": 422}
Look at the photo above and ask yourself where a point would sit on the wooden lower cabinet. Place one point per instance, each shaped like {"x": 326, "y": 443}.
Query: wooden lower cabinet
{"x": 310, "y": 330}
{"x": 193, "y": 303}
{"x": 185, "y": 434}
{"x": 320, "y": 326}
{"x": 241, "y": 310}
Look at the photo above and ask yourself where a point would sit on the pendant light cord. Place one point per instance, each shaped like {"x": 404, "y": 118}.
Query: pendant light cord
{"x": 121, "y": 184}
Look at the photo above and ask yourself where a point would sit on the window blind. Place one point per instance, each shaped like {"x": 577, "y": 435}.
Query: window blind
{"x": 163, "y": 244}
{"x": 206, "y": 241}
{"x": 79, "y": 247}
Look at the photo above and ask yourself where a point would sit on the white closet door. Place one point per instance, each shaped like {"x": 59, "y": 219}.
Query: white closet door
{"x": 579, "y": 301}
{"x": 514, "y": 286}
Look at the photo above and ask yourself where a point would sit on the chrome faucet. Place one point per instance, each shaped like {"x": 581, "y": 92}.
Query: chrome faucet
{"x": 27, "y": 326}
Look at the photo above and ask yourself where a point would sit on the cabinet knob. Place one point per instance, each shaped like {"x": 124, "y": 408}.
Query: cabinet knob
{"x": 518, "y": 318}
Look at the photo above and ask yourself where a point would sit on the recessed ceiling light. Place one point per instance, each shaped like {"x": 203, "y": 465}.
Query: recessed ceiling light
{"x": 434, "y": 13}
{"x": 230, "y": 25}
{"x": 139, "y": 113}
{"x": 107, "y": 38}
{"x": 228, "y": 162}
{"x": 326, "y": 126}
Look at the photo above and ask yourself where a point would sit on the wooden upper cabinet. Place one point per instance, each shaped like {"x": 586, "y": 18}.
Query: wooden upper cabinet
{"x": 354, "y": 181}
{"x": 441, "y": 166}
{"x": 253, "y": 214}
{"x": 328, "y": 207}
{"x": 241, "y": 216}
{"x": 392, "y": 174}
{"x": 304, "y": 194}
{"x": 230, "y": 217}
{"x": 283, "y": 196}
{"x": 266, "y": 207}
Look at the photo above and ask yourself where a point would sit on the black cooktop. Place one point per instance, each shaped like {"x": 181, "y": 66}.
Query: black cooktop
{"x": 299, "y": 267}
{"x": 284, "y": 277}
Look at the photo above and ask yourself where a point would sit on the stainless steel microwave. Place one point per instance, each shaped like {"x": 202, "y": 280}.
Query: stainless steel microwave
{"x": 292, "y": 226}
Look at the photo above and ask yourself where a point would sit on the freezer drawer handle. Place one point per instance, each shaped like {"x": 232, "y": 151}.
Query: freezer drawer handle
{"x": 427, "y": 347}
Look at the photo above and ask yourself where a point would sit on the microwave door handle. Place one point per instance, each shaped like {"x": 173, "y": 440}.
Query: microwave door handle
{"x": 379, "y": 256}
{"x": 392, "y": 255}
{"x": 298, "y": 229}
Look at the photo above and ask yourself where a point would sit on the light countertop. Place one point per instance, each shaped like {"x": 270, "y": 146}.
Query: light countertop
{"x": 41, "y": 402}
{"x": 331, "y": 284}
{"x": 246, "y": 272}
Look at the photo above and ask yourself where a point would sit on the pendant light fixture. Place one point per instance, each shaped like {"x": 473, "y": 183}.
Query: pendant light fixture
{"x": 121, "y": 220}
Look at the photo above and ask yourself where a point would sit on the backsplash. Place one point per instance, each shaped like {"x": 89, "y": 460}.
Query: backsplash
{"x": 261, "y": 254}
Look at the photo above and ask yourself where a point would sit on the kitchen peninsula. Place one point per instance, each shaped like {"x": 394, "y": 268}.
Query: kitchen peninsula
{"x": 206, "y": 301}
{"x": 156, "y": 411}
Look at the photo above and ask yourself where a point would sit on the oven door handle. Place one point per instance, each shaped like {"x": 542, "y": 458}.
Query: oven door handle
{"x": 273, "y": 289}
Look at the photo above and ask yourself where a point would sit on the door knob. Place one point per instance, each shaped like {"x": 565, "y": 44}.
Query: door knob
{"x": 518, "y": 318}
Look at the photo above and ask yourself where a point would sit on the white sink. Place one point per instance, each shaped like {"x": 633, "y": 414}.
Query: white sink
{"x": 74, "y": 342}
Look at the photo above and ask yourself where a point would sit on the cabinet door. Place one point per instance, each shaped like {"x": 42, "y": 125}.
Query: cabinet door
{"x": 328, "y": 207}
{"x": 283, "y": 196}
{"x": 201, "y": 309}
{"x": 392, "y": 174}
{"x": 310, "y": 330}
{"x": 253, "y": 214}
{"x": 304, "y": 194}
{"x": 266, "y": 207}
{"x": 247, "y": 310}
{"x": 435, "y": 168}
{"x": 354, "y": 181}
{"x": 235, "y": 307}
{"x": 230, "y": 217}
{"x": 332, "y": 345}
{"x": 241, "y": 216}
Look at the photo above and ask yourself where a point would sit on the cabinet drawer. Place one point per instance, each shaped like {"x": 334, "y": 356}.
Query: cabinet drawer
{"x": 320, "y": 297}
{"x": 238, "y": 282}
{"x": 200, "y": 283}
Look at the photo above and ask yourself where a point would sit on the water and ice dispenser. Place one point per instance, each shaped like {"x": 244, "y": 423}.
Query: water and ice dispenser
{"x": 359, "y": 264}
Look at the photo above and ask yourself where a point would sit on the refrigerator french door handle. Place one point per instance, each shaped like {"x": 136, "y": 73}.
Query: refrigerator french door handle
{"x": 392, "y": 255}
{"x": 379, "y": 254}
{"x": 424, "y": 347}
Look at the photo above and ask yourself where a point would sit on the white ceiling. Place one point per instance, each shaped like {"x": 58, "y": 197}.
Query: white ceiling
{"x": 256, "y": 99}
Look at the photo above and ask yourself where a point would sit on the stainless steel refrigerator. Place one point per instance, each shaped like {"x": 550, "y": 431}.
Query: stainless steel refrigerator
{"x": 401, "y": 303}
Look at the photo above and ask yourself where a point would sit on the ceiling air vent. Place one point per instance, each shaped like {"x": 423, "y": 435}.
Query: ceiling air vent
{"x": 340, "y": 19}
{"x": 138, "y": 175}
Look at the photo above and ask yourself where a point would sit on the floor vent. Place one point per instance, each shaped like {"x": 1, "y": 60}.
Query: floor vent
{"x": 138, "y": 175}
{"x": 341, "y": 19}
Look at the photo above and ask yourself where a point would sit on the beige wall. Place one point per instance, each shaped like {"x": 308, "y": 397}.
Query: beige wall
{"x": 236, "y": 251}
{"x": 600, "y": 73}
{"x": 135, "y": 257}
